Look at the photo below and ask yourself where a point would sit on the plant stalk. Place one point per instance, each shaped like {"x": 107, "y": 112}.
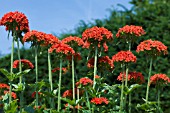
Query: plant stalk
{"x": 73, "y": 82}
{"x": 122, "y": 90}
{"x": 150, "y": 70}
{"x": 36, "y": 74}
{"x": 95, "y": 67}
{"x": 130, "y": 104}
{"x": 59, "y": 86}
{"x": 88, "y": 102}
{"x": 50, "y": 79}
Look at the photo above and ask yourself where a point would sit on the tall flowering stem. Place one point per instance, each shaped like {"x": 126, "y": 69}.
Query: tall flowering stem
{"x": 150, "y": 71}
{"x": 11, "y": 70}
{"x": 59, "y": 85}
{"x": 50, "y": 79}
{"x": 36, "y": 74}
{"x": 21, "y": 78}
{"x": 73, "y": 82}
{"x": 122, "y": 90}
{"x": 95, "y": 67}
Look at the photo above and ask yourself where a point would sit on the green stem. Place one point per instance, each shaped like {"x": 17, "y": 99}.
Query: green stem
{"x": 50, "y": 79}
{"x": 36, "y": 74}
{"x": 59, "y": 86}
{"x": 126, "y": 83}
{"x": 11, "y": 70}
{"x": 95, "y": 67}
{"x": 159, "y": 107}
{"x": 150, "y": 70}
{"x": 78, "y": 97}
{"x": 21, "y": 78}
{"x": 122, "y": 90}
{"x": 130, "y": 104}
{"x": 88, "y": 102}
{"x": 73, "y": 82}
{"x": 129, "y": 45}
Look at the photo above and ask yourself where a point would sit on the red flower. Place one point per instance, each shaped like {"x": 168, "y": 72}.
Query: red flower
{"x": 154, "y": 47}
{"x": 14, "y": 95}
{"x": 24, "y": 62}
{"x": 68, "y": 93}
{"x": 136, "y": 77}
{"x": 73, "y": 39}
{"x": 124, "y": 56}
{"x": 77, "y": 57}
{"x": 162, "y": 78}
{"x": 2, "y": 85}
{"x": 58, "y": 69}
{"x": 132, "y": 30}
{"x": 103, "y": 63}
{"x": 50, "y": 39}
{"x": 70, "y": 106}
{"x": 100, "y": 100}
{"x": 97, "y": 77}
{"x": 62, "y": 49}
{"x": 96, "y": 36}
{"x": 34, "y": 36}
{"x": 84, "y": 81}
{"x": 34, "y": 93}
{"x": 15, "y": 18}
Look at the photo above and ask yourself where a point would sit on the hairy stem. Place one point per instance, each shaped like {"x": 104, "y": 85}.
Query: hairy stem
{"x": 122, "y": 90}
{"x": 150, "y": 70}
{"x": 59, "y": 85}
{"x": 36, "y": 74}
{"x": 95, "y": 67}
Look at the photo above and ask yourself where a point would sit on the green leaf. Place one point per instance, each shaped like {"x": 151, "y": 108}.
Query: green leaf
{"x": 48, "y": 94}
{"x": 11, "y": 108}
{"x": 71, "y": 102}
{"x": 17, "y": 75}
{"x": 6, "y": 73}
{"x": 133, "y": 87}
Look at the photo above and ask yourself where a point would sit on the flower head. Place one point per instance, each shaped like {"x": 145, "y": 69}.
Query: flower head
{"x": 57, "y": 69}
{"x": 3, "y": 85}
{"x": 26, "y": 64}
{"x": 96, "y": 36}
{"x": 135, "y": 77}
{"x": 50, "y": 39}
{"x": 62, "y": 48}
{"x": 124, "y": 56}
{"x": 103, "y": 63}
{"x": 130, "y": 30}
{"x": 15, "y": 21}
{"x": 71, "y": 40}
{"x": 154, "y": 48}
{"x": 34, "y": 93}
{"x": 77, "y": 56}
{"x": 14, "y": 95}
{"x": 99, "y": 101}
{"x": 84, "y": 81}
{"x": 68, "y": 93}
{"x": 159, "y": 78}
{"x": 34, "y": 36}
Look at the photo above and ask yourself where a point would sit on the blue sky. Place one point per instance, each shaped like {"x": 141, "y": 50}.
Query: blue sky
{"x": 55, "y": 15}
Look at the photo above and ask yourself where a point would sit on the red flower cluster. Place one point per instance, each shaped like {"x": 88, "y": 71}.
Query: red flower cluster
{"x": 100, "y": 100}
{"x": 77, "y": 57}
{"x": 34, "y": 36}
{"x": 24, "y": 62}
{"x": 34, "y": 93}
{"x": 14, "y": 95}
{"x": 136, "y": 77}
{"x": 84, "y": 81}
{"x": 58, "y": 69}
{"x": 2, "y": 85}
{"x": 102, "y": 62}
{"x": 15, "y": 18}
{"x": 96, "y": 36}
{"x": 50, "y": 39}
{"x": 156, "y": 47}
{"x": 132, "y": 30}
{"x": 73, "y": 39}
{"x": 70, "y": 106}
{"x": 124, "y": 56}
{"x": 97, "y": 76}
{"x": 62, "y": 49}
{"x": 162, "y": 78}
{"x": 69, "y": 93}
